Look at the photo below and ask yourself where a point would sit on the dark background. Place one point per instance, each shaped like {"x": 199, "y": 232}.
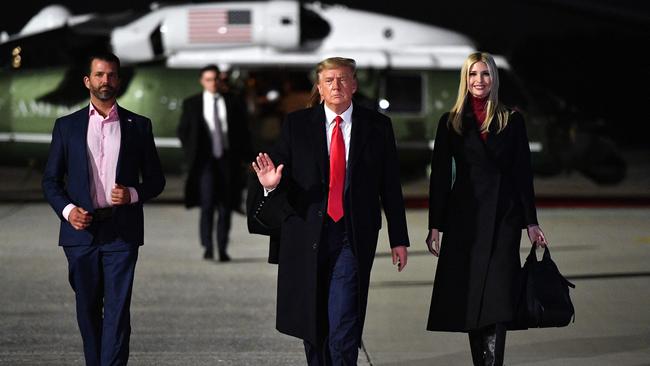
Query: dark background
{"x": 589, "y": 57}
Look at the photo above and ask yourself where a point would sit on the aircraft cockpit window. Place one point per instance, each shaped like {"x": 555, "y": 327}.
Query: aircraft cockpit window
{"x": 403, "y": 93}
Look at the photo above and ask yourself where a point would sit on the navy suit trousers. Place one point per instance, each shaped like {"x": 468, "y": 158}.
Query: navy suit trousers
{"x": 342, "y": 291}
{"x": 101, "y": 276}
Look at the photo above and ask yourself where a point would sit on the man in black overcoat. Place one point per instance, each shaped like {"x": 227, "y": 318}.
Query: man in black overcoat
{"x": 336, "y": 164}
{"x": 213, "y": 130}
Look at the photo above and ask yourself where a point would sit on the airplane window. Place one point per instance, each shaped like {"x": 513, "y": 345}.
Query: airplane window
{"x": 403, "y": 93}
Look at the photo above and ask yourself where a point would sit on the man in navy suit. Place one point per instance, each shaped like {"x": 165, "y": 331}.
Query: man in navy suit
{"x": 103, "y": 165}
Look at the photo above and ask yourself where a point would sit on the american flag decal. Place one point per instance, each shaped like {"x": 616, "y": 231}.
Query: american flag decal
{"x": 219, "y": 26}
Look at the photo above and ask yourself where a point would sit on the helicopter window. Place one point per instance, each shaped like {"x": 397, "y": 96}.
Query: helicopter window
{"x": 403, "y": 93}
{"x": 313, "y": 28}
{"x": 156, "y": 41}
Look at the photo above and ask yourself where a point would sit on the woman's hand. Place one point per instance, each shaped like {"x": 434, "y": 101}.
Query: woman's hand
{"x": 266, "y": 171}
{"x": 536, "y": 236}
{"x": 433, "y": 242}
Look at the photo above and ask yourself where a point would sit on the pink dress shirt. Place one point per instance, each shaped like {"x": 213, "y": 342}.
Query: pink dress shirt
{"x": 103, "y": 147}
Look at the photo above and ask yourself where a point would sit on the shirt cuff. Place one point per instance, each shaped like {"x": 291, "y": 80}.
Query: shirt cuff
{"x": 134, "y": 195}
{"x": 267, "y": 191}
{"x": 66, "y": 210}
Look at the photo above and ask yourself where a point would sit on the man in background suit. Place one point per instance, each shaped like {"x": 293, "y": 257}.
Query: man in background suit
{"x": 337, "y": 161}
{"x": 92, "y": 181}
{"x": 213, "y": 130}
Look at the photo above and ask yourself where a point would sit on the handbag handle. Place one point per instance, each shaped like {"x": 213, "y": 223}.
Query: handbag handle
{"x": 532, "y": 257}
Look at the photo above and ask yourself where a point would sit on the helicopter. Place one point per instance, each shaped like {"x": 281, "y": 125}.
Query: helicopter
{"x": 267, "y": 51}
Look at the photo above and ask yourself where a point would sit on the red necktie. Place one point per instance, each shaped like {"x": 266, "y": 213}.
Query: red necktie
{"x": 337, "y": 172}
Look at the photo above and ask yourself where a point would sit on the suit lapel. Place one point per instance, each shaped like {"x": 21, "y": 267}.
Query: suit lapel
{"x": 81, "y": 138}
{"x": 494, "y": 143}
{"x": 358, "y": 139}
{"x": 125, "y": 123}
{"x": 317, "y": 131}
{"x": 474, "y": 144}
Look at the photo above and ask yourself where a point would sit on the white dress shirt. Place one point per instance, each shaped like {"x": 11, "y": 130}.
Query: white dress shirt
{"x": 208, "y": 115}
{"x": 346, "y": 128}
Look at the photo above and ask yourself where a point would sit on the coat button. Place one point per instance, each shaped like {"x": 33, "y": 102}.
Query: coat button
{"x": 320, "y": 213}
{"x": 314, "y": 246}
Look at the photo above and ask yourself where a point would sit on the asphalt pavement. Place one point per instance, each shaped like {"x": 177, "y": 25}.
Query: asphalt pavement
{"x": 188, "y": 311}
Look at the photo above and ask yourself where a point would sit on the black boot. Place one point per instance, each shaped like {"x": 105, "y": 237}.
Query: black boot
{"x": 476, "y": 345}
{"x": 494, "y": 343}
{"x": 488, "y": 345}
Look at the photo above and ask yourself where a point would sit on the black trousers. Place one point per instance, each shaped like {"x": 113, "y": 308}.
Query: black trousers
{"x": 215, "y": 184}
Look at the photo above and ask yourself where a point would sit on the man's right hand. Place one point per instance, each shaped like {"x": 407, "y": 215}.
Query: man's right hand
{"x": 268, "y": 175}
{"x": 433, "y": 242}
{"x": 80, "y": 218}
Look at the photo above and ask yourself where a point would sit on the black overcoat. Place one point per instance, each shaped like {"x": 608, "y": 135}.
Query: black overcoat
{"x": 482, "y": 213}
{"x": 197, "y": 147}
{"x": 299, "y": 207}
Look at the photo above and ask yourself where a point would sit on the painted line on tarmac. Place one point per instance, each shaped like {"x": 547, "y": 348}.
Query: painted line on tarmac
{"x": 577, "y": 277}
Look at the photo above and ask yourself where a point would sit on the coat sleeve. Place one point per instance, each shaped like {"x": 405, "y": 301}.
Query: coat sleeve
{"x": 523, "y": 171}
{"x": 261, "y": 219}
{"x": 54, "y": 173}
{"x": 440, "y": 180}
{"x": 153, "y": 179}
{"x": 391, "y": 192}
{"x": 266, "y": 214}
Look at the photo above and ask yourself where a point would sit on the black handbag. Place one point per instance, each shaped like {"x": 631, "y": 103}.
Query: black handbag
{"x": 544, "y": 299}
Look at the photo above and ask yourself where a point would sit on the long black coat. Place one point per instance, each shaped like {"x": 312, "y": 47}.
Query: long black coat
{"x": 197, "y": 146}
{"x": 299, "y": 207}
{"x": 482, "y": 215}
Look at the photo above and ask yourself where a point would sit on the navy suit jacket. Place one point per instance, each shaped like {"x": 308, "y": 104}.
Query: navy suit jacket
{"x": 67, "y": 179}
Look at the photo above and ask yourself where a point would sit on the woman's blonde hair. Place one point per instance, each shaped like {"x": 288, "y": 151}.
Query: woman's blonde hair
{"x": 328, "y": 64}
{"x": 494, "y": 108}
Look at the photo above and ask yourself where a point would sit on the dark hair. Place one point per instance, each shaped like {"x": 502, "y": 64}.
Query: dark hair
{"x": 104, "y": 56}
{"x": 211, "y": 67}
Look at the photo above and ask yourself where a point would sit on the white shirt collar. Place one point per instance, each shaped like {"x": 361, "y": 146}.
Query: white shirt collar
{"x": 346, "y": 115}
{"x": 210, "y": 96}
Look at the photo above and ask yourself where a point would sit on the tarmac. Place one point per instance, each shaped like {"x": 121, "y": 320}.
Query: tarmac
{"x": 188, "y": 311}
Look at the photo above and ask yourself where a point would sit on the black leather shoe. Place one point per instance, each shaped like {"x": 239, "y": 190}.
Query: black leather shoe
{"x": 223, "y": 257}
{"x": 208, "y": 254}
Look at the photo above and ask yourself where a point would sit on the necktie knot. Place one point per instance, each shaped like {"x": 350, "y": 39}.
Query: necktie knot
{"x": 338, "y": 120}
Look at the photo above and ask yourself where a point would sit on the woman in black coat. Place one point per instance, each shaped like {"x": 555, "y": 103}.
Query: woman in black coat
{"x": 481, "y": 209}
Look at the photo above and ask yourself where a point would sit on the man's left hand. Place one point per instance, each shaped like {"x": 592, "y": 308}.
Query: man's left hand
{"x": 400, "y": 255}
{"x": 120, "y": 195}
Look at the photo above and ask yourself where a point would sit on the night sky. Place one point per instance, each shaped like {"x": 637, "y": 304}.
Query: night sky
{"x": 587, "y": 54}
